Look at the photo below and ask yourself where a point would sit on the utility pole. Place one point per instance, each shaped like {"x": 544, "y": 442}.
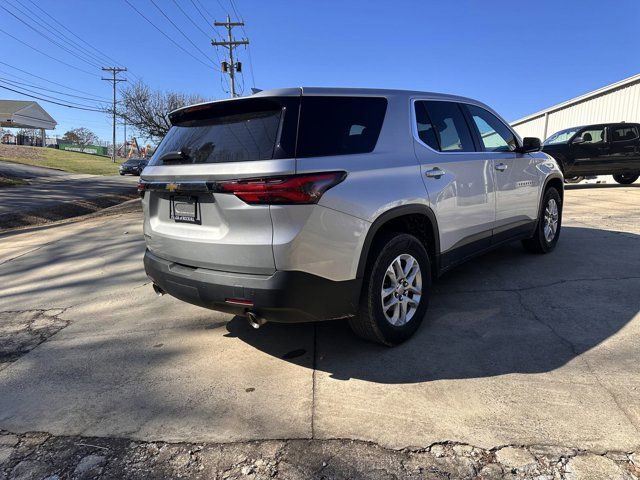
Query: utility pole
{"x": 230, "y": 67}
{"x": 114, "y": 71}
{"x": 125, "y": 138}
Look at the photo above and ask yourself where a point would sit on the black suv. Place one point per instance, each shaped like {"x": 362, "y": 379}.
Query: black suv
{"x": 603, "y": 149}
{"x": 133, "y": 166}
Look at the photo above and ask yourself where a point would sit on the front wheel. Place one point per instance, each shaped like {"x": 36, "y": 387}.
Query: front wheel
{"x": 395, "y": 293}
{"x": 549, "y": 222}
{"x": 625, "y": 179}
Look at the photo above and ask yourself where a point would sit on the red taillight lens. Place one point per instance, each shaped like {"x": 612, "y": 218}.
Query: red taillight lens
{"x": 141, "y": 189}
{"x": 296, "y": 189}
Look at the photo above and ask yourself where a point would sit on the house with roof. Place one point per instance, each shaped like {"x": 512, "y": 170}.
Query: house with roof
{"x": 27, "y": 115}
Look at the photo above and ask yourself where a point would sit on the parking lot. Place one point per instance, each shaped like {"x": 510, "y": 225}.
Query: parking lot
{"x": 519, "y": 350}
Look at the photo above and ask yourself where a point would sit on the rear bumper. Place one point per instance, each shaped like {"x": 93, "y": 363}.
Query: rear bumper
{"x": 285, "y": 296}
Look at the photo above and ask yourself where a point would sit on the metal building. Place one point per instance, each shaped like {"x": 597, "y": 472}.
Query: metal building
{"x": 617, "y": 102}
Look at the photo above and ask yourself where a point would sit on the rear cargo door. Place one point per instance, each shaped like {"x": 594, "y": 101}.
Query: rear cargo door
{"x": 187, "y": 219}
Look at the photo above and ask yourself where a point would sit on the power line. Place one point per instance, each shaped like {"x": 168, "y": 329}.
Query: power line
{"x": 61, "y": 35}
{"x": 207, "y": 21}
{"x": 47, "y": 80}
{"x": 100, "y": 52}
{"x": 203, "y": 32}
{"x": 219, "y": 3}
{"x": 190, "y": 19}
{"x": 167, "y": 36}
{"x": 90, "y": 62}
{"x": 233, "y": 6}
{"x": 47, "y": 55}
{"x": 179, "y": 30}
{"x": 87, "y": 57}
{"x": 46, "y": 89}
{"x": 50, "y": 101}
{"x": 76, "y": 104}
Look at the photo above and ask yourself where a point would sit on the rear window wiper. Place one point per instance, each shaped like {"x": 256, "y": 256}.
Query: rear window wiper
{"x": 174, "y": 157}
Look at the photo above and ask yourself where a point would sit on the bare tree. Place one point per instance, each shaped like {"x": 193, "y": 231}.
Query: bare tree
{"x": 146, "y": 110}
{"x": 80, "y": 136}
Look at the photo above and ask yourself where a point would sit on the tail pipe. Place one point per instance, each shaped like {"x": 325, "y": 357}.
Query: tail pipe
{"x": 159, "y": 292}
{"x": 254, "y": 320}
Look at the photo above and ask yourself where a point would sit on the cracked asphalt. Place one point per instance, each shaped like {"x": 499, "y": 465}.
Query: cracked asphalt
{"x": 519, "y": 351}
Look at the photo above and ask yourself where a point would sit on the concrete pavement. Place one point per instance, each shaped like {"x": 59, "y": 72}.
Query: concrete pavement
{"x": 49, "y": 188}
{"x": 517, "y": 349}
{"x": 31, "y": 172}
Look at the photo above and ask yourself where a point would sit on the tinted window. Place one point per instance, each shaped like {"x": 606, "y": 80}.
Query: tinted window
{"x": 339, "y": 125}
{"x": 450, "y": 126}
{"x": 426, "y": 132}
{"x": 232, "y": 131}
{"x": 593, "y": 135}
{"x": 235, "y": 138}
{"x": 623, "y": 133}
{"x": 495, "y": 135}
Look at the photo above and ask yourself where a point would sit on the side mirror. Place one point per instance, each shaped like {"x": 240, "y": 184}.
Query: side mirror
{"x": 578, "y": 140}
{"x": 530, "y": 144}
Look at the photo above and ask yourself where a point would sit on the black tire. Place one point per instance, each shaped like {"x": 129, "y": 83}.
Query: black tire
{"x": 539, "y": 242}
{"x": 575, "y": 179}
{"x": 371, "y": 323}
{"x": 625, "y": 179}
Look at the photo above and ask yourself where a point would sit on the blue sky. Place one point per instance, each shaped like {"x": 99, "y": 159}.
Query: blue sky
{"x": 518, "y": 57}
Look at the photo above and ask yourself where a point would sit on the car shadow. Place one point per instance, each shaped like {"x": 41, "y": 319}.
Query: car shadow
{"x": 505, "y": 312}
{"x": 582, "y": 186}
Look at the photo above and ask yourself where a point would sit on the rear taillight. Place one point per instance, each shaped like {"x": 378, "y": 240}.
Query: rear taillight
{"x": 292, "y": 189}
{"x": 141, "y": 188}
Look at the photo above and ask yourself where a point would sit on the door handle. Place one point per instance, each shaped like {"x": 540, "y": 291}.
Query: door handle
{"x": 434, "y": 173}
{"x": 501, "y": 167}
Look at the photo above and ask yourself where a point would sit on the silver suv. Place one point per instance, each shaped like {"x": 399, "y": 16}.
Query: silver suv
{"x": 322, "y": 203}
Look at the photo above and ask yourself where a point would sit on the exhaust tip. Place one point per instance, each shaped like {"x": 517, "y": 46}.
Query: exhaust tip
{"x": 159, "y": 292}
{"x": 255, "y": 321}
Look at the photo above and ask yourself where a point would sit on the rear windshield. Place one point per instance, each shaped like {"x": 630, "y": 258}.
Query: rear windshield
{"x": 233, "y": 131}
{"x": 265, "y": 128}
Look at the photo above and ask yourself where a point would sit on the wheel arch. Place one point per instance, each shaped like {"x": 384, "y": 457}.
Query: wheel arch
{"x": 557, "y": 182}
{"x": 418, "y": 220}
{"x": 554, "y": 181}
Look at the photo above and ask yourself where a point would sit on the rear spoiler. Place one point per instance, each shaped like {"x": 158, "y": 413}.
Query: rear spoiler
{"x": 222, "y": 108}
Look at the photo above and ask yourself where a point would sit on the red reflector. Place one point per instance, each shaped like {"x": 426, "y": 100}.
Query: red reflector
{"x": 141, "y": 189}
{"x": 296, "y": 189}
{"x": 239, "y": 301}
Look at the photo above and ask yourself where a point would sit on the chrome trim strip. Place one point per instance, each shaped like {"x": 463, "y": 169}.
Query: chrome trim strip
{"x": 178, "y": 186}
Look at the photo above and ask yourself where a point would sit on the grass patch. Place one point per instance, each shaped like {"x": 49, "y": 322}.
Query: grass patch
{"x": 62, "y": 160}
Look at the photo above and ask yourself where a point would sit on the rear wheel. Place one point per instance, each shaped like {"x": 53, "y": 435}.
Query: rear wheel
{"x": 625, "y": 178}
{"x": 395, "y": 293}
{"x": 549, "y": 222}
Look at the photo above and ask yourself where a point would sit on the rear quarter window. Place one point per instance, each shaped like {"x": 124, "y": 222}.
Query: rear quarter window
{"x": 339, "y": 125}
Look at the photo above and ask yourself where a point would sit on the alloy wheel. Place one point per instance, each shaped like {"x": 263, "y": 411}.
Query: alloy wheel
{"x": 550, "y": 220}
{"x": 401, "y": 290}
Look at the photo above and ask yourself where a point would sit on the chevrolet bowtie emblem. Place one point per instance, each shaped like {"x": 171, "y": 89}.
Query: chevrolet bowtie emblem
{"x": 172, "y": 187}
